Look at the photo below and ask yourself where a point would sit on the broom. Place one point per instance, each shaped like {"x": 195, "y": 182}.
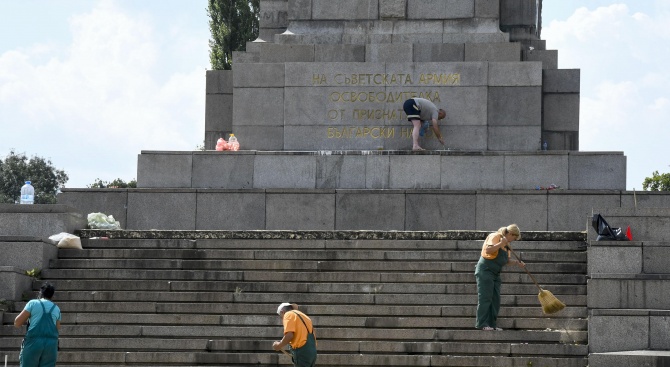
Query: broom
{"x": 550, "y": 304}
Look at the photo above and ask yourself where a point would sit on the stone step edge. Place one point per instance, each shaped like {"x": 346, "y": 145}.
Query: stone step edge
{"x": 326, "y": 235}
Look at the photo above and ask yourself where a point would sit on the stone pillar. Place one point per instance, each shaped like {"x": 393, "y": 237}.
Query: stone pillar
{"x": 273, "y": 19}
{"x": 521, "y": 19}
{"x": 218, "y": 106}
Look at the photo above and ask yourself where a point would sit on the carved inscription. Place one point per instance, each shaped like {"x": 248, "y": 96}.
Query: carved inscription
{"x": 412, "y": 86}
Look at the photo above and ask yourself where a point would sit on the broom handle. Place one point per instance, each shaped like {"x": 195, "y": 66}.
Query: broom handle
{"x": 285, "y": 352}
{"x": 524, "y": 268}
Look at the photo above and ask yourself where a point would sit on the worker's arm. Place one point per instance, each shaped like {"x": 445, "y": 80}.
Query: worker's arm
{"x": 21, "y": 319}
{"x": 436, "y": 130}
{"x": 284, "y": 341}
{"x": 496, "y": 243}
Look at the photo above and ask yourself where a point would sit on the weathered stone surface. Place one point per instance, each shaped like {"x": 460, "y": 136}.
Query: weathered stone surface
{"x": 472, "y": 172}
{"x": 339, "y": 53}
{"x": 528, "y": 235}
{"x": 267, "y": 108}
{"x": 299, "y": 9}
{"x": 515, "y": 74}
{"x": 395, "y": 52}
{"x": 514, "y": 138}
{"x": 589, "y": 170}
{"x": 219, "y": 82}
{"x": 440, "y": 9}
{"x": 487, "y": 8}
{"x": 340, "y": 171}
{"x": 276, "y": 53}
{"x": 297, "y": 210}
{"x": 392, "y": 9}
{"x": 617, "y": 333}
{"x": 222, "y": 170}
{"x": 258, "y": 75}
{"x": 458, "y": 211}
{"x": 572, "y": 209}
{"x": 530, "y": 210}
{"x": 219, "y": 112}
{"x": 214, "y": 210}
{"x": 432, "y": 52}
{"x": 261, "y": 138}
{"x": 416, "y": 172}
{"x": 164, "y": 169}
{"x": 505, "y": 110}
{"x": 273, "y": 14}
{"x": 109, "y": 201}
{"x": 561, "y": 81}
{"x": 281, "y": 173}
{"x": 524, "y": 171}
{"x": 492, "y": 52}
{"x": 39, "y": 220}
{"x": 161, "y": 209}
{"x": 561, "y": 112}
{"x": 345, "y": 9}
{"x": 548, "y": 58}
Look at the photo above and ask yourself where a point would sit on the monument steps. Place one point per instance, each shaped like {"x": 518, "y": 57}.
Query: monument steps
{"x": 375, "y": 302}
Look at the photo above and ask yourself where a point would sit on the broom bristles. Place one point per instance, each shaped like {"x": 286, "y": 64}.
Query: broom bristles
{"x": 550, "y": 304}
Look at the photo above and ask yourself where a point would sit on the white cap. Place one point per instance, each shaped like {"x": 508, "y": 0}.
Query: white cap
{"x": 282, "y": 306}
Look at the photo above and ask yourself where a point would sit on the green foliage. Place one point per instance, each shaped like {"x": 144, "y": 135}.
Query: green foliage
{"x": 116, "y": 184}
{"x": 232, "y": 23}
{"x": 657, "y": 182}
{"x": 34, "y": 273}
{"x": 17, "y": 168}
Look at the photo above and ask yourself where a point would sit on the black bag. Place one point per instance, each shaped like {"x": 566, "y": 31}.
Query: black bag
{"x": 605, "y": 232}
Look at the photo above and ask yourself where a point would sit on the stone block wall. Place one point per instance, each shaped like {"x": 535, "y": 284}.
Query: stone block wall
{"x": 39, "y": 220}
{"x": 630, "y": 280}
{"x": 218, "y": 106}
{"x": 308, "y": 106}
{"x": 350, "y": 209}
{"x": 379, "y": 169}
{"x": 560, "y": 116}
{"x": 19, "y": 254}
{"x": 283, "y": 85}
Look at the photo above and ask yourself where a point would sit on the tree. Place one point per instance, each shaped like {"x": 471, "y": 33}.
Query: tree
{"x": 657, "y": 182}
{"x": 232, "y": 23}
{"x": 116, "y": 184}
{"x": 45, "y": 178}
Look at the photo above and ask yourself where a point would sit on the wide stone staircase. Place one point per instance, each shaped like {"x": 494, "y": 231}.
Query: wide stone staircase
{"x": 194, "y": 298}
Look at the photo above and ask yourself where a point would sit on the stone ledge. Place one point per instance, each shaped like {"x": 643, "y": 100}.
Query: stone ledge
{"x": 630, "y": 276}
{"x": 22, "y": 239}
{"x": 36, "y": 208}
{"x": 629, "y": 312}
{"x": 327, "y": 235}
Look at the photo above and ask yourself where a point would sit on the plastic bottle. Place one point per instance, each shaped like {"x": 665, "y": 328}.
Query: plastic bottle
{"x": 544, "y": 145}
{"x": 234, "y": 144}
{"x": 27, "y": 194}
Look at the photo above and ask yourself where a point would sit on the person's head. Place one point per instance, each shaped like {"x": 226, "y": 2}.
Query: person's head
{"x": 511, "y": 232}
{"x": 47, "y": 290}
{"x": 441, "y": 114}
{"x": 285, "y": 307}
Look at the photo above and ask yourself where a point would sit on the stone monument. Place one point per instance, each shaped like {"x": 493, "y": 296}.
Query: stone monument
{"x": 327, "y": 75}
{"x": 316, "y": 103}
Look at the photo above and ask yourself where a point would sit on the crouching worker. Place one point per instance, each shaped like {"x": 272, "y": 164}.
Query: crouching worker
{"x": 299, "y": 334}
{"x": 40, "y": 345}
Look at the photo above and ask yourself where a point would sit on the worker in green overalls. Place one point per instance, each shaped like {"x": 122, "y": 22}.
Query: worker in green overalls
{"x": 299, "y": 334}
{"x": 487, "y": 272}
{"x": 40, "y": 345}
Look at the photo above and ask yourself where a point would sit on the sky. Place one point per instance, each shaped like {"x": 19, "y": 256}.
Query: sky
{"x": 89, "y": 84}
